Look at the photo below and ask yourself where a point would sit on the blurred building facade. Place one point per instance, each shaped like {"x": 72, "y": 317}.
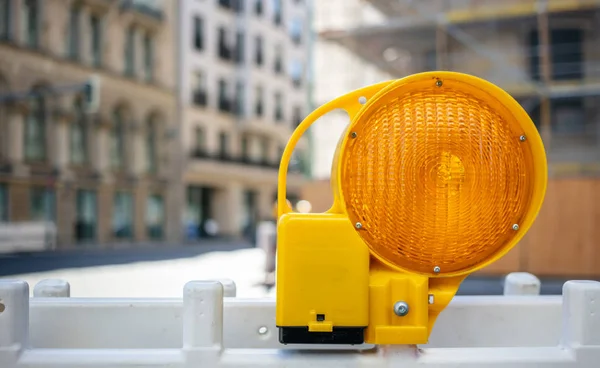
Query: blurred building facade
{"x": 103, "y": 177}
{"x": 243, "y": 89}
{"x": 546, "y": 54}
{"x": 337, "y": 71}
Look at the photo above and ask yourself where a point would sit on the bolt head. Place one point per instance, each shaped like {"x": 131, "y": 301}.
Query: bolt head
{"x": 358, "y": 225}
{"x": 436, "y": 269}
{"x": 515, "y": 227}
{"x": 353, "y": 134}
{"x": 401, "y": 309}
{"x": 439, "y": 83}
{"x": 522, "y": 138}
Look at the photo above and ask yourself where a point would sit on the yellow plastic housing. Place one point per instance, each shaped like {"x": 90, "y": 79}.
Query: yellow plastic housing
{"x": 320, "y": 275}
{"x": 437, "y": 175}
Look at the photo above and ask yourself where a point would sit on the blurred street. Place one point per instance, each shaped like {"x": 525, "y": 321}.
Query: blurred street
{"x": 142, "y": 272}
{"x": 162, "y": 271}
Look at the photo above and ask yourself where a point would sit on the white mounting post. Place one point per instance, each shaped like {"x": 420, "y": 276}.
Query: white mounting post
{"x": 521, "y": 283}
{"x": 52, "y": 288}
{"x": 229, "y": 288}
{"x": 202, "y": 322}
{"x": 581, "y": 320}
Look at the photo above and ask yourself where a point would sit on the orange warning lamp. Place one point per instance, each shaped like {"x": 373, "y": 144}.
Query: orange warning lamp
{"x": 437, "y": 175}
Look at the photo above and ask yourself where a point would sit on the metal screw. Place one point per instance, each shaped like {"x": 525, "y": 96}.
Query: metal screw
{"x": 439, "y": 83}
{"x": 522, "y": 138}
{"x": 358, "y": 225}
{"x": 353, "y": 134}
{"x": 401, "y": 309}
{"x": 430, "y": 299}
{"x": 436, "y": 269}
{"x": 515, "y": 227}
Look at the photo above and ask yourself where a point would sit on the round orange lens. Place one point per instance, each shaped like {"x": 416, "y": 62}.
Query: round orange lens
{"x": 437, "y": 175}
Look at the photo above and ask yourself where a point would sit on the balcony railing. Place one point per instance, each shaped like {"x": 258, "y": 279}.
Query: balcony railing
{"x": 227, "y": 158}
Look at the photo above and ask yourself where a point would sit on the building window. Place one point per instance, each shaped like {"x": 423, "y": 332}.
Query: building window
{"x": 35, "y": 130}
{"x": 96, "y": 40}
{"x": 249, "y": 214}
{"x": 227, "y": 4}
{"x": 224, "y": 51}
{"x": 200, "y": 141}
{"x": 117, "y": 135}
{"x": 42, "y": 204}
{"x": 199, "y": 97}
{"x": 277, "y": 12}
{"x": 297, "y": 116}
{"x": 264, "y": 150}
{"x": 238, "y": 6}
{"x": 148, "y": 57}
{"x": 5, "y": 22}
{"x": 235, "y": 5}
{"x": 78, "y": 135}
{"x": 223, "y": 96}
{"x": 86, "y": 218}
{"x": 258, "y": 7}
{"x": 258, "y": 109}
{"x": 245, "y": 147}
{"x": 258, "y": 56}
{"x": 239, "y": 98}
{"x": 296, "y": 30}
{"x": 130, "y": 51}
{"x": 278, "y": 65}
{"x": 155, "y": 217}
{"x": 74, "y": 32}
{"x": 31, "y": 22}
{"x": 3, "y": 203}
{"x": 199, "y": 211}
{"x": 239, "y": 48}
{"x": 151, "y": 145}
{"x": 198, "y": 33}
{"x": 122, "y": 217}
{"x": 296, "y": 71}
{"x": 278, "y": 107}
{"x": 223, "y": 145}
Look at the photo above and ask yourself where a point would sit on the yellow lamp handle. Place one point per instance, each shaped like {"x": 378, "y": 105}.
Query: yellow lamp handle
{"x": 350, "y": 102}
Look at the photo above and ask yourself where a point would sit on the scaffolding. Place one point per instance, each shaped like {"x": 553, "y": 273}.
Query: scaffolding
{"x": 545, "y": 53}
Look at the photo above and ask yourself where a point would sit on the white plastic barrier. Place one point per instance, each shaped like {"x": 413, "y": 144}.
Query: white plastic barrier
{"x": 209, "y": 327}
{"x": 27, "y": 236}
